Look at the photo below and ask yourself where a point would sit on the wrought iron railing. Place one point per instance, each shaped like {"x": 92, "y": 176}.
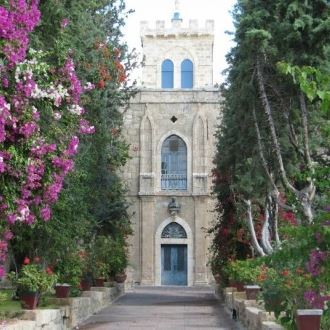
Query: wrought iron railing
{"x": 174, "y": 182}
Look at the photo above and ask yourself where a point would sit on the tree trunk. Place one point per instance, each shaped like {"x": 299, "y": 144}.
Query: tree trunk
{"x": 306, "y": 195}
{"x": 255, "y": 242}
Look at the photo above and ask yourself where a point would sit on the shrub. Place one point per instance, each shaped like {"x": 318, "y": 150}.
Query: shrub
{"x": 34, "y": 278}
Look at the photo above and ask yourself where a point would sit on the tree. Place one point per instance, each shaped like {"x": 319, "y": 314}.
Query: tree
{"x": 90, "y": 33}
{"x": 265, "y": 139}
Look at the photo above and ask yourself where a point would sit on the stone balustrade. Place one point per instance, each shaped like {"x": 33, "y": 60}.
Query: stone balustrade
{"x": 249, "y": 312}
{"x": 70, "y": 312}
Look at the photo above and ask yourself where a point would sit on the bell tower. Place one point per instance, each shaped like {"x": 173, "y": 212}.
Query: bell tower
{"x": 177, "y": 42}
{"x": 170, "y": 126}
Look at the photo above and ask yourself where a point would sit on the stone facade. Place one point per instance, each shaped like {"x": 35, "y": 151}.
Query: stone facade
{"x": 154, "y": 115}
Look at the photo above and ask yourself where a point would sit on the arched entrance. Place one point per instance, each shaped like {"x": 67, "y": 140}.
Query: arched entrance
{"x": 174, "y": 251}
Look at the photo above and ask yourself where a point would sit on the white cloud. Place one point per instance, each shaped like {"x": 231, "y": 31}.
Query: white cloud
{"x": 152, "y": 10}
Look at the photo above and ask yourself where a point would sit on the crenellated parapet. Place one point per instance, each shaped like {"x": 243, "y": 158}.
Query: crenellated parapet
{"x": 176, "y": 28}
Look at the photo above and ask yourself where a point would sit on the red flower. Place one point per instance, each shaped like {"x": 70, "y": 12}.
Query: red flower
{"x": 36, "y": 259}
{"x": 49, "y": 270}
{"x": 26, "y": 261}
{"x": 101, "y": 84}
{"x": 285, "y": 272}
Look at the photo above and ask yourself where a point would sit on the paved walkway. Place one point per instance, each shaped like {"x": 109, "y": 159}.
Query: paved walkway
{"x": 165, "y": 308}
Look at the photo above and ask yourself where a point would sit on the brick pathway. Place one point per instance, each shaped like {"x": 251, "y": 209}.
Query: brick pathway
{"x": 146, "y": 308}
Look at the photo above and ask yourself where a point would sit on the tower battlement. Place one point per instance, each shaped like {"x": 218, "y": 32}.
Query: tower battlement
{"x": 176, "y": 28}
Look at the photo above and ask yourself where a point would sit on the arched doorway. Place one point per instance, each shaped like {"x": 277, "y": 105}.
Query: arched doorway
{"x": 174, "y": 256}
{"x": 173, "y": 253}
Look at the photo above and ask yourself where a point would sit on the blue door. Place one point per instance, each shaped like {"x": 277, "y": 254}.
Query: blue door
{"x": 174, "y": 264}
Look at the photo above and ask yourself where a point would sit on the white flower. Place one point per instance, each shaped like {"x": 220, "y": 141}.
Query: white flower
{"x": 75, "y": 109}
{"x": 57, "y": 115}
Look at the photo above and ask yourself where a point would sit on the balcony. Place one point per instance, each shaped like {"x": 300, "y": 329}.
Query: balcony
{"x": 174, "y": 182}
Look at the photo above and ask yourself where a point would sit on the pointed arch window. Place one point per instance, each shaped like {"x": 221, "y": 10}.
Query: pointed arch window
{"x": 187, "y": 74}
{"x": 174, "y": 164}
{"x": 167, "y": 74}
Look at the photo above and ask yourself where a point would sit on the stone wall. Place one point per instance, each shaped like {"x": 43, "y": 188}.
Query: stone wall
{"x": 70, "y": 312}
{"x": 249, "y": 312}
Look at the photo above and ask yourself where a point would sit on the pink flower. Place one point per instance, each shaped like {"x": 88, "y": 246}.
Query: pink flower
{"x": 2, "y": 271}
{"x": 46, "y": 213}
{"x": 5, "y": 84}
{"x": 85, "y": 127}
{"x": 28, "y": 129}
{"x": 72, "y": 147}
{"x": 11, "y": 218}
{"x": 64, "y": 23}
{"x": 8, "y": 235}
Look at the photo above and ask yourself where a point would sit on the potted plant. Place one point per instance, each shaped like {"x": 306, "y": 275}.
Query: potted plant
{"x": 101, "y": 271}
{"x": 118, "y": 260}
{"x": 32, "y": 281}
{"x": 69, "y": 272}
{"x": 86, "y": 279}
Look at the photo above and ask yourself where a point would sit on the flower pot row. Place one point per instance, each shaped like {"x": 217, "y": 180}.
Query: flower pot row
{"x": 86, "y": 284}
{"x": 30, "y": 300}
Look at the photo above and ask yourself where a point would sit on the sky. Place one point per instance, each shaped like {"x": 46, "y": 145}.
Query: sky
{"x": 152, "y": 10}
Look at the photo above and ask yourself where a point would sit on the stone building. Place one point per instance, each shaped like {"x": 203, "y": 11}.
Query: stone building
{"x": 170, "y": 126}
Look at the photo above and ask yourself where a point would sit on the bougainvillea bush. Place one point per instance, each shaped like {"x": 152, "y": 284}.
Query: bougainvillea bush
{"x": 41, "y": 117}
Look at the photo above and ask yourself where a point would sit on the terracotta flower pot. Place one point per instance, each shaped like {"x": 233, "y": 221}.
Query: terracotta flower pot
{"x": 309, "y": 319}
{"x": 62, "y": 290}
{"x": 29, "y": 300}
{"x": 252, "y": 291}
{"x": 99, "y": 281}
{"x": 120, "y": 278}
{"x": 85, "y": 285}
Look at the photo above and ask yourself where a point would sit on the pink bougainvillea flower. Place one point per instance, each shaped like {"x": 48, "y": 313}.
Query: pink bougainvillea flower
{"x": 46, "y": 213}
{"x": 64, "y": 23}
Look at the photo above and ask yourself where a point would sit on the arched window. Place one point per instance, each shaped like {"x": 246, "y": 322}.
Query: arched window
{"x": 167, "y": 74}
{"x": 174, "y": 230}
{"x": 174, "y": 164}
{"x": 187, "y": 74}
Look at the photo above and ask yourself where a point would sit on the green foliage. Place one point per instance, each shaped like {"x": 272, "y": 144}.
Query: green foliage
{"x": 33, "y": 278}
{"x": 288, "y": 278}
{"x": 244, "y": 271}
{"x": 69, "y": 269}
{"x": 313, "y": 82}
{"x": 108, "y": 256}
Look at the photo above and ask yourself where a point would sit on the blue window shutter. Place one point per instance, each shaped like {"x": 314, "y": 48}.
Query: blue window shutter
{"x": 167, "y": 74}
{"x": 187, "y": 74}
